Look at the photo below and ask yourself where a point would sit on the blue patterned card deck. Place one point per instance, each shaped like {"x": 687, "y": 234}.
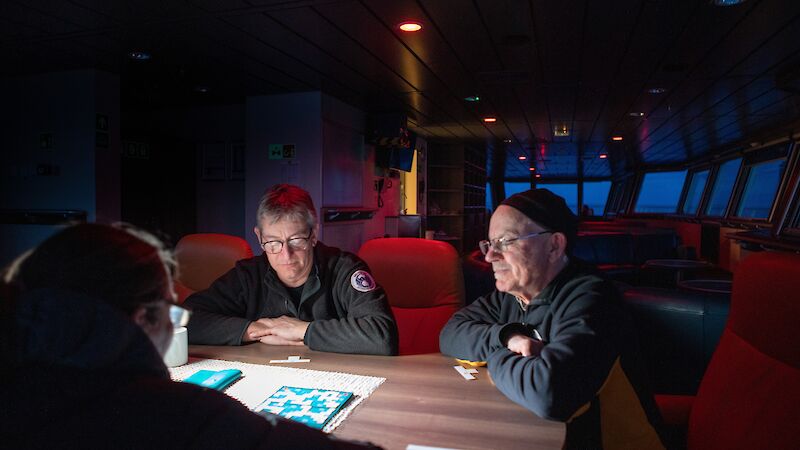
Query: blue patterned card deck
{"x": 313, "y": 407}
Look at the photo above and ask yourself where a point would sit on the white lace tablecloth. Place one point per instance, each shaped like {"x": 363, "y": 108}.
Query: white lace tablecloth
{"x": 259, "y": 382}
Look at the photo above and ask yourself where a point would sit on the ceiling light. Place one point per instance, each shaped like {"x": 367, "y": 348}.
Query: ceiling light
{"x": 490, "y": 119}
{"x": 201, "y": 89}
{"x": 507, "y": 141}
{"x": 538, "y": 175}
{"x": 636, "y": 114}
{"x": 139, "y": 56}
{"x": 532, "y": 169}
{"x": 616, "y": 138}
{"x": 410, "y": 26}
{"x": 561, "y": 131}
{"x": 472, "y": 98}
{"x": 523, "y": 158}
{"x": 603, "y": 156}
{"x": 656, "y": 90}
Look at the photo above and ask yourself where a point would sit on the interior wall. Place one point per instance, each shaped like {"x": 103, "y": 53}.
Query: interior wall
{"x": 282, "y": 119}
{"x": 389, "y": 197}
{"x": 219, "y": 199}
{"x": 50, "y": 160}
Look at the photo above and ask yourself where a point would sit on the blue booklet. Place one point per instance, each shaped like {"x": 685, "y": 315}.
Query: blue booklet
{"x": 313, "y": 407}
{"x": 214, "y": 379}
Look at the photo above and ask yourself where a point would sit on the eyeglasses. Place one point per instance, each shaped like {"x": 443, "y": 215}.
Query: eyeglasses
{"x": 296, "y": 243}
{"x": 501, "y": 245}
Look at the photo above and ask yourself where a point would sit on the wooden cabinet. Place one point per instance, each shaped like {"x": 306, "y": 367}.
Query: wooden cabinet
{"x": 456, "y": 196}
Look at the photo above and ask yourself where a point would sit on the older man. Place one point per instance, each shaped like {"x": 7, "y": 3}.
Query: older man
{"x": 298, "y": 292}
{"x": 553, "y": 335}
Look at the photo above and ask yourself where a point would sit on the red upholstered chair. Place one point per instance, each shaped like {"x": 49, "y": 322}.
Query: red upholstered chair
{"x": 750, "y": 393}
{"x": 204, "y": 257}
{"x": 424, "y": 282}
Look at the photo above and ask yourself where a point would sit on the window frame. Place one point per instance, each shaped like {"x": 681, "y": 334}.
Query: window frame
{"x": 582, "y": 187}
{"x": 619, "y": 197}
{"x": 761, "y": 155}
{"x": 712, "y": 180}
{"x": 703, "y": 194}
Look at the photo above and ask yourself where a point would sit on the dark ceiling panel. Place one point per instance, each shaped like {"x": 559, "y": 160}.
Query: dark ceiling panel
{"x": 535, "y": 64}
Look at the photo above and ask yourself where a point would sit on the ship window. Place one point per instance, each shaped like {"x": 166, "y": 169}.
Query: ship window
{"x": 760, "y": 188}
{"x": 595, "y": 195}
{"x": 695, "y": 193}
{"x": 513, "y": 187}
{"x": 723, "y": 186}
{"x": 660, "y": 192}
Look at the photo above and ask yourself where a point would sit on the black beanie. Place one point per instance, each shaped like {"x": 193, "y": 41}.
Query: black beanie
{"x": 548, "y": 210}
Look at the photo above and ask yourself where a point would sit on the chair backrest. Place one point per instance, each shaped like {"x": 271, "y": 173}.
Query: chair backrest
{"x": 204, "y": 257}
{"x": 750, "y": 393}
{"x": 424, "y": 282}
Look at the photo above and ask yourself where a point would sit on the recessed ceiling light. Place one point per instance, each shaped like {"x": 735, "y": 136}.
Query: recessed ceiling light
{"x": 490, "y": 119}
{"x": 472, "y": 98}
{"x": 636, "y": 114}
{"x": 561, "y": 131}
{"x": 507, "y": 141}
{"x": 523, "y": 158}
{"x": 532, "y": 169}
{"x": 603, "y": 156}
{"x": 538, "y": 175}
{"x": 656, "y": 90}
{"x": 139, "y": 56}
{"x": 616, "y": 138}
{"x": 410, "y": 26}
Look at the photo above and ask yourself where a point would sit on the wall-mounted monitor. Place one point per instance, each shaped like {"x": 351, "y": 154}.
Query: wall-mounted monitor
{"x": 395, "y": 158}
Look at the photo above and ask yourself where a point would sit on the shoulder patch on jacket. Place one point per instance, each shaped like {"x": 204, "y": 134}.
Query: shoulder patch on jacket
{"x": 362, "y": 281}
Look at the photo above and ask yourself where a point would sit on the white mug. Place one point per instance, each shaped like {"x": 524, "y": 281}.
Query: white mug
{"x": 178, "y": 352}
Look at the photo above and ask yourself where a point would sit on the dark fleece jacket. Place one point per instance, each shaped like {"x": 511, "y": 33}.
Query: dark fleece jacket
{"x": 80, "y": 374}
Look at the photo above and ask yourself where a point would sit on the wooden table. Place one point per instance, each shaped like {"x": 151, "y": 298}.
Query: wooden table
{"x": 423, "y": 401}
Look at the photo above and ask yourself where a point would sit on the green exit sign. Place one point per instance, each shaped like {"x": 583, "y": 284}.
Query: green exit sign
{"x": 281, "y": 151}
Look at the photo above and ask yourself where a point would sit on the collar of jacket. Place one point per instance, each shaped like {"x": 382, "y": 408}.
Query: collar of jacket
{"x": 314, "y": 281}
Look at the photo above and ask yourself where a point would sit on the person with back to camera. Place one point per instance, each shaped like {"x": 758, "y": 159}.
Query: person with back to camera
{"x": 298, "y": 292}
{"x": 554, "y": 336}
{"x": 84, "y": 323}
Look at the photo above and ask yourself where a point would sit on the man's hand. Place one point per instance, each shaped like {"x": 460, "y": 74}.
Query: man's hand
{"x": 275, "y": 340}
{"x": 281, "y": 330}
{"x": 524, "y": 345}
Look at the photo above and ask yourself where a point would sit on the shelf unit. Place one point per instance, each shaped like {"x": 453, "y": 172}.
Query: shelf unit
{"x": 456, "y": 195}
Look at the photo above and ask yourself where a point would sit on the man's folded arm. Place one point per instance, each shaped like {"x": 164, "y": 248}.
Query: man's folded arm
{"x": 568, "y": 371}
{"x": 473, "y": 332}
{"x": 218, "y": 313}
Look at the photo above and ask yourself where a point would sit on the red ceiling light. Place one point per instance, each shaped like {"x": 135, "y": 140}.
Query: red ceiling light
{"x": 532, "y": 169}
{"x": 616, "y": 138}
{"x": 523, "y": 158}
{"x": 410, "y": 26}
{"x": 603, "y": 156}
{"x": 490, "y": 119}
